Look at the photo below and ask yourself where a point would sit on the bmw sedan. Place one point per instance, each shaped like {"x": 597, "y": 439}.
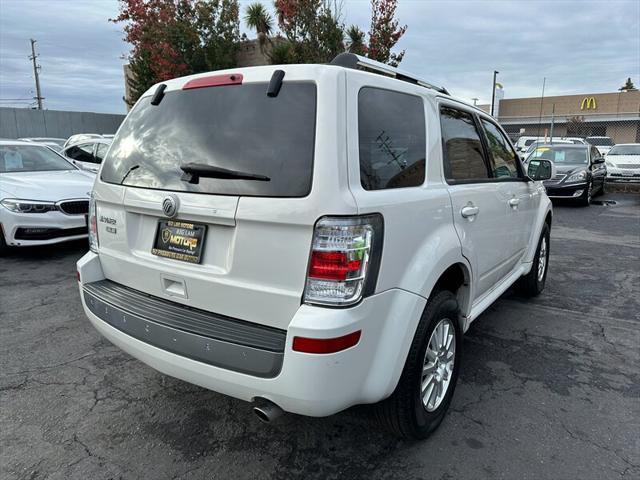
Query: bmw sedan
{"x": 44, "y": 199}
{"x": 580, "y": 171}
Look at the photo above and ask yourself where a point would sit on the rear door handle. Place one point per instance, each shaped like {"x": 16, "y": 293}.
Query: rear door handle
{"x": 514, "y": 202}
{"x": 469, "y": 211}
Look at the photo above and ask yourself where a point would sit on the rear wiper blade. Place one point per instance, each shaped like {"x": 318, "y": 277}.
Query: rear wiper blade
{"x": 193, "y": 172}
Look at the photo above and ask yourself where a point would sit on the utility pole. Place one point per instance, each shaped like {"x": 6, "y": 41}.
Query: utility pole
{"x": 544, "y": 83}
{"x": 36, "y": 67}
{"x": 493, "y": 92}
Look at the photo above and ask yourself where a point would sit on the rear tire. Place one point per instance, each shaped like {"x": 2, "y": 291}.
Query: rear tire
{"x": 533, "y": 283}
{"x": 420, "y": 401}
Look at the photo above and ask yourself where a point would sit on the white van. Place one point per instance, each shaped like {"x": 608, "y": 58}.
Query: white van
{"x": 310, "y": 237}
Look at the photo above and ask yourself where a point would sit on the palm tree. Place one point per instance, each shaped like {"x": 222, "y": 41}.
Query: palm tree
{"x": 355, "y": 40}
{"x": 257, "y": 18}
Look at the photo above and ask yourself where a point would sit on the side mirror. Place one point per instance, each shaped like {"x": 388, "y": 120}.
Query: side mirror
{"x": 540, "y": 169}
{"x": 598, "y": 160}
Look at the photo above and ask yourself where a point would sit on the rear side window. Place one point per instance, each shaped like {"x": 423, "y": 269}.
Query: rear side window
{"x": 463, "y": 157}
{"x": 82, "y": 153}
{"x": 391, "y": 134}
{"x": 501, "y": 155}
{"x": 233, "y": 127}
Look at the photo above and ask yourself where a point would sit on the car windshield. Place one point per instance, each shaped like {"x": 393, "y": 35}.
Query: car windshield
{"x": 528, "y": 142}
{"x": 625, "y": 150}
{"x": 232, "y": 127}
{"x": 30, "y": 158}
{"x": 562, "y": 155}
{"x": 600, "y": 141}
{"x": 536, "y": 144}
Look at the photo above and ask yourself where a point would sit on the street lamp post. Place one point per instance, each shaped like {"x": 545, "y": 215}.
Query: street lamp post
{"x": 493, "y": 92}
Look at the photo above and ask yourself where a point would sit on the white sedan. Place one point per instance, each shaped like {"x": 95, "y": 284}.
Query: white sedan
{"x": 44, "y": 199}
{"x": 623, "y": 163}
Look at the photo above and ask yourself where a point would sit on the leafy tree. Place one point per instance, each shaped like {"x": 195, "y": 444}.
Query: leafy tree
{"x": 385, "y": 32}
{"x": 356, "y": 40}
{"x": 577, "y": 126}
{"x": 257, "y": 18}
{"x": 628, "y": 86}
{"x": 314, "y": 32}
{"x": 172, "y": 38}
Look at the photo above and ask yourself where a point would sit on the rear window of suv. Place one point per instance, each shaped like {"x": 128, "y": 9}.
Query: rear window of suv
{"x": 234, "y": 127}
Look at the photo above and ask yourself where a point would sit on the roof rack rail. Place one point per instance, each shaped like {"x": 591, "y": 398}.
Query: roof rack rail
{"x": 358, "y": 62}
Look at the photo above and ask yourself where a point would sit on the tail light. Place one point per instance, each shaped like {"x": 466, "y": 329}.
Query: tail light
{"x": 344, "y": 260}
{"x": 93, "y": 225}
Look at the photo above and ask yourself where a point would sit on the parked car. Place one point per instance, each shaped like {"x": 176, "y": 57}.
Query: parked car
{"x": 603, "y": 144}
{"x": 580, "y": 171}
{"x": 623, "y": 163}
{"x": 88, "y": 154}
{"x": 44, "y": 199}
{"x": 310, "y": 237}
{"x": 523, "y": 143}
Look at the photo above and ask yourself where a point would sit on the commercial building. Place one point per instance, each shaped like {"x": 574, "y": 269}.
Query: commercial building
{"x": 616, "y": 115}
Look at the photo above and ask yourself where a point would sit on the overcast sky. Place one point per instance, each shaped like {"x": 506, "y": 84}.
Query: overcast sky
{"x": 580, "y": 46}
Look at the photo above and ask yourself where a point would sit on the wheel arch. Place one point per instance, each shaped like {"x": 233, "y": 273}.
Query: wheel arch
{"x": 456, "y": 278}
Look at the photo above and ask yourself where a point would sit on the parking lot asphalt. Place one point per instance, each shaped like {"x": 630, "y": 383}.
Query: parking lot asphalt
{"x": 549, "y": 388}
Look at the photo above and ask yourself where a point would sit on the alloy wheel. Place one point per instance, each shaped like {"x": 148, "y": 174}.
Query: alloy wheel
{"x": 542, "y": 259}
{"x": 438, "y": 365}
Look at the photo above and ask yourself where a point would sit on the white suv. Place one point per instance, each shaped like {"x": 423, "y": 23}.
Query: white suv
{"x": 310, "y": 237}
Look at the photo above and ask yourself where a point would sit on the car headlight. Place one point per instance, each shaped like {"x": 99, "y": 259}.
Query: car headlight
{"x": 27, "y": 206}
{"x": 580, "y": 176}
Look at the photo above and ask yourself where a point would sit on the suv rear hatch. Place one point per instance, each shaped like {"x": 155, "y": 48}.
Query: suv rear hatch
{"x": 237, "y": 246}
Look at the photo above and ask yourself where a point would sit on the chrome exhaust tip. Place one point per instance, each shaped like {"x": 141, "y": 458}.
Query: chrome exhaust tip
{"x": 266, "y": 410}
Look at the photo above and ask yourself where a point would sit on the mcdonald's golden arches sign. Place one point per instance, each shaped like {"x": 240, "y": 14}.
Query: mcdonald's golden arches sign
{"x": 588, "y": 103}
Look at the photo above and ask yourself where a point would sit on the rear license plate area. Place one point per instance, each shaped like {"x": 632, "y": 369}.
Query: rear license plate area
{"x": 183, "y": 241}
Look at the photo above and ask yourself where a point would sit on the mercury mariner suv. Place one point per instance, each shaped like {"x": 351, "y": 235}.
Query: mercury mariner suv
{"x": 311, "y": 237}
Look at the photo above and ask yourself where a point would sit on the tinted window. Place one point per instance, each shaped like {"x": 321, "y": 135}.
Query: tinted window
{"x": 501, "y": 155}
{"x": 15, "y": 158}
{"x": 82, "y": 153}
{"x": 235, "y": 127}
{"x": 463, "y": 157}
{"x": 391, "y": 132}
{"x": 101, "y": 151}
{"x": 600, "y": 141}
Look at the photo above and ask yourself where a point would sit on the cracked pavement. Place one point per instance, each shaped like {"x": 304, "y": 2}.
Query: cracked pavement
{"x": 549, "y": 387}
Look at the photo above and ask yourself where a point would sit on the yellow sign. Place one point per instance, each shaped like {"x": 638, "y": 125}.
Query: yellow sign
{"x": 588, "y": 103}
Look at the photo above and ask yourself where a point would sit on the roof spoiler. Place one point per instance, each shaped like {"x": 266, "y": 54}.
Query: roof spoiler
{"x": 357, "y": 62}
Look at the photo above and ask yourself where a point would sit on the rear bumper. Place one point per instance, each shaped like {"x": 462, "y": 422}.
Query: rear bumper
{"x": 307, "y": 384}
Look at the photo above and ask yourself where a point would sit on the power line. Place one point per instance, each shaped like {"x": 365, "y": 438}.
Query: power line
{"x": 38, "y": 98}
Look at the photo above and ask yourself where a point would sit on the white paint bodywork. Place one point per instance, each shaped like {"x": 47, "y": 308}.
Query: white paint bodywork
{"x": 257, "y": 250}
{"x": 623, "y": 166}
{"x": 51, "y": 186}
